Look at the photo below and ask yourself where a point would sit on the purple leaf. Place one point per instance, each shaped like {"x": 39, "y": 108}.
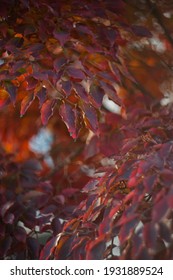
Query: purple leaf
{"x": 61, "y": 36}
{"x": 90, "y": 117}
{"x": 48, "y": 249}
{"x": 97, "y": 94}
{"x": 26, "y": 102}
{"x": 95, "y": 249}
{"x": 11, "y": 89}
{"x": 81, "y": 92}
{"x": 75, "y": 74}
{"x": 47, "y": 110}
{"x": 59, "y": 62}
{"x": 70, "y": 118}
{"x": 141, "y": 31}
{"x": 41, "y": 94}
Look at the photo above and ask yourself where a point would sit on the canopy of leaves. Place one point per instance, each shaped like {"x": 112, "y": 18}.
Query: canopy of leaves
{"x": 103, "y": 187}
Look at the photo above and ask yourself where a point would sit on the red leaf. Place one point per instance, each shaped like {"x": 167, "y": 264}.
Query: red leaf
{"x": 96, "y": 248}
{"x": 129, "y": 144}
{"x": 111, "y": 92}
{"x": 160, "y": 209}
{"x": 90, "y": 117}
{"x": 165, "y": 150}
{"x": 47, "y": 110}
{"x": 41, "y": 94}
{"x": 66, "y": 86}
{"x": 92, "y": 148}
{"x": 70, "y": 118}
{"x": 127, "y": 228}
{"x": 149, "y": 182}
{"x": 63, "y": 247}
{"x": 97, "y": 94}
{"x": 47, "y": 250}
{"x": 40, "y": 75}
{"x": 166, "y": 176}
{"x": 75, "y": 74}
{"x": 78, "y": 248}
{"x": 81, "y": 92}
{"x": 26, "y": 102}
{"x": 90, "y": 186}
{"x": 31, "y": 83}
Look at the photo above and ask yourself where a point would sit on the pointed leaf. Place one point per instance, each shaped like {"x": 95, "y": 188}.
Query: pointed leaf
{"x": 63, "y": 247}
{"x": 111, "y": 92}
{"x": 75, "y": 74}
{"x": 47, "y": 250}
{"x": 96, "y": 248}
{"x": 97, "y": 94}
{"x": 11, "y": 89}
{"x": 69, "y": 116}
{"x": 90, "y": 117}
{"x": 160, "y": 209}
{"x": 81, "y": 92}
{"x": 41, "y": 94}
{"x": 59, "y": 62}
{"x": 47, "y": 110}
{"x": 127, "y": 228}
{"x": 26, "y": 102}
{"x": 149, "y": 182}
{"x": 66, "y": 86}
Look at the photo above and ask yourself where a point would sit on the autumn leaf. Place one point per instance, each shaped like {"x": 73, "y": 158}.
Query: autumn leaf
{"x": 69, "y": 115}
{"x": 47, "y": 110}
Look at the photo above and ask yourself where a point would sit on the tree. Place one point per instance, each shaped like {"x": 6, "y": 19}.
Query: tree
{"x": 103, "y": 188}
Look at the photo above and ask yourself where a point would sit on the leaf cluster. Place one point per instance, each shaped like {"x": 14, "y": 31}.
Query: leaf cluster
{"x": 103, "y": 188}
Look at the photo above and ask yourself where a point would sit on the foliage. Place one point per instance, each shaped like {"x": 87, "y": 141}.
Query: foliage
{"x": 103, "y": 189}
